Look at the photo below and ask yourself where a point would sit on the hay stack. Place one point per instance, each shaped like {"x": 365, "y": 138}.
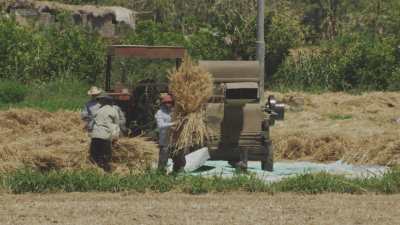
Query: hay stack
{"x": 45, "y": 141}
{"x": 191, "y": 87}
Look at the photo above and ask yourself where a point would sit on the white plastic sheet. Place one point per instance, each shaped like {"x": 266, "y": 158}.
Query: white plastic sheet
{"x": 196, "y": 159}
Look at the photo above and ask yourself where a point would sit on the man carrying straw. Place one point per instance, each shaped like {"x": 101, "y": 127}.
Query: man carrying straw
{"x": 164, "y": 124}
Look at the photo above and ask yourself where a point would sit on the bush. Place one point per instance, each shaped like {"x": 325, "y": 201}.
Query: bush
{"x": 19, "y": 51}
{"x": 12, "y": 92}
{"x": 74, "y": 53}
{"x": 60, "y": 51}
{"x": 394, "y": 80}
{"x": 283, "y": 31}
{"x": 56, "y": 95}
{"x": 349, "y": 62}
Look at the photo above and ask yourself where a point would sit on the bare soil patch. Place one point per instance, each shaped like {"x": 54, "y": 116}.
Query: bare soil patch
{"x": 172, "y": 208}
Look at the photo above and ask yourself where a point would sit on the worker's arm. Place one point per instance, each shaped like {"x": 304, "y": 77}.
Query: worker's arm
{"x": 85, "y": 113}
{"x": 161, "y": 121}
{"x": 121, "y": 115}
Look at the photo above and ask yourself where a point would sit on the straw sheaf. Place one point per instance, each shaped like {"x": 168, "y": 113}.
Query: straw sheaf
{"x": 191, "y": 88}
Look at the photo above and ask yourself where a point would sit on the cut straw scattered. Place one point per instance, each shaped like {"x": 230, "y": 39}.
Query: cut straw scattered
{"x": 45, "y": 141}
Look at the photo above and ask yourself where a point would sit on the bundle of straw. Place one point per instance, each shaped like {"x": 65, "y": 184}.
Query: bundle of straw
{"x": 191, "y": 87}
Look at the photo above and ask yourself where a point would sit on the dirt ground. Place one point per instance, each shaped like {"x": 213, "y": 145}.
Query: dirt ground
{"x": 173, "y": 208}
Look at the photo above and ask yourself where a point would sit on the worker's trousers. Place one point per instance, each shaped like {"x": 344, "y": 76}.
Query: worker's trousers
{"x": 100, "y": 153}
{"x": 177, "y": 158}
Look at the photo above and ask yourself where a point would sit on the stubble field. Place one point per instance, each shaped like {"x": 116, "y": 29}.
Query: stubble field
{"x": 360, "y": 129}
{"x": 176, "y": 209}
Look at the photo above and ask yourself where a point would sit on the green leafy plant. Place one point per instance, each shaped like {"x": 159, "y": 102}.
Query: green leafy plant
{"x": 349, "y": 62}
{"x": 12, "y": 92}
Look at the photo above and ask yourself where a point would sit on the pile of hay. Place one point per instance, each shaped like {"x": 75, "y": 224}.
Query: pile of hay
{"x": 360, "y": 129}
{"x": 45, "y": 141}
{"x": 191, "y": 88}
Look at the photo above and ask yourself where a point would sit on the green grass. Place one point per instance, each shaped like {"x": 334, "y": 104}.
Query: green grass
{"x": 26, "y": 180}
{"x": 53, "y": 96}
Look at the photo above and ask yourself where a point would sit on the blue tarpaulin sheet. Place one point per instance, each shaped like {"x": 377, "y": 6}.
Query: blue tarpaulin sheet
{"x": 291, "y": 168}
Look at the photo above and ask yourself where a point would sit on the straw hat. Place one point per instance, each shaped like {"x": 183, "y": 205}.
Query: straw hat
{"x": 94, "y": 91}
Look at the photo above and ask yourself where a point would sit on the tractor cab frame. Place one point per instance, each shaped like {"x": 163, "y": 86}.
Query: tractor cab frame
{"x": 139, "y": 110}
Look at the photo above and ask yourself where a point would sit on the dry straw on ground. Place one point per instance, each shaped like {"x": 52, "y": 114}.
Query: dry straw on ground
{"x": 191, "y": 88}
{"x": 359, "y": 129}
{"x": 57, "y": 140}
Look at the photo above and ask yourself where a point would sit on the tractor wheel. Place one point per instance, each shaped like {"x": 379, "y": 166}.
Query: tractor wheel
{"x": 268, "y": 163}
{"x": 233, "y": 163}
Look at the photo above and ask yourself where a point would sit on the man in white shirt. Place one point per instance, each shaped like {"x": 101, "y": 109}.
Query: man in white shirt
{"x": 90, "y": 108}
{"x": 105, "y": 129}
{"x": 164, "y": 123}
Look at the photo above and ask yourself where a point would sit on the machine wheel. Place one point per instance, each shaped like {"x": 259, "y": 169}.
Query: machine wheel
{"x": 268, "y": 163}
{"x": 233, "y": 163}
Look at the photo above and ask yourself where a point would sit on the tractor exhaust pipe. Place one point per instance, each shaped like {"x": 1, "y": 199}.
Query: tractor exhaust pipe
{"x": 261, "y": 45}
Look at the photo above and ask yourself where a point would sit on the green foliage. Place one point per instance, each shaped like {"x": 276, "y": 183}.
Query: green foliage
{"x": 394, "y": 80}
{"x": 207, "y": 43}
{"x": 55, "y": 52}
{"x": 356, "y": 42}
{"x": 26, "y": 180}
{"x": 53, "y": 95}
{"x": 12, "y": 92}
{"x": 283, "y": 32}
{"x": 203, "y": 44}
{"x": 151, "y": 33}
{"x": 75, "y": 53}
{"x": 19, "y": 51}
{"x": 348, "y": 62}
{"x": 388, "y": 183}
{"x": 319, "y": 183}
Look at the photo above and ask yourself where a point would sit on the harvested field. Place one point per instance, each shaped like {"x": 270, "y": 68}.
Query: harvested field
{"x": 46, "y": 141}
{"x": 172, "y": 208}
{"x": 361, "y": 129}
